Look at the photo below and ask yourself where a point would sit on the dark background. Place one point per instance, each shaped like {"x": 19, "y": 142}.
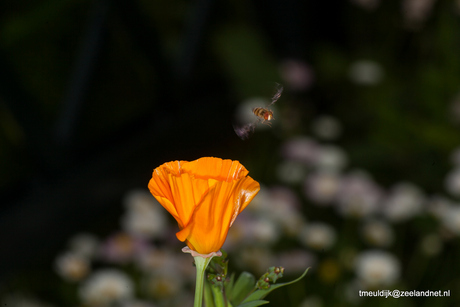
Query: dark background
{"x": 95, "y": 94}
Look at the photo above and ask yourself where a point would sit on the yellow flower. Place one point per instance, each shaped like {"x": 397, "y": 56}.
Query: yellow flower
{"x": 204, "y": 196}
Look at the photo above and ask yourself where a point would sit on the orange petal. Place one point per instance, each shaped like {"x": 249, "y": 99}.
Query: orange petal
{"x": 248, "y": 189}
{"x": 212, "y": 218}
{"x": 159, "y": 184}
{"x": 215, "y": 168}
{"x": 160, "y": 188}
{"x": 177, "y": 193}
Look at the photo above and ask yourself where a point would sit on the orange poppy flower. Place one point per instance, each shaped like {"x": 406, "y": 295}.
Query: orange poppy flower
{"x": 204, "y": 196}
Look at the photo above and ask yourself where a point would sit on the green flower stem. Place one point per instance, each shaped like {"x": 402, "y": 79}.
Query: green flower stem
{"x": 201, "y": 265}
{"x": 208, "y": 297}
{"x": 218, "y": 296}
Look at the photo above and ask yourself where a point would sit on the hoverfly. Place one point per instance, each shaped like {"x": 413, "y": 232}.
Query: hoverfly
{"x": 264, "y": 115}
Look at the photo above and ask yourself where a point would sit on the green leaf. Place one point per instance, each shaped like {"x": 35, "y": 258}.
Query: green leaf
{"x": 229, "y": 285}
{"x": 259, "y": 294}
{"x": 254, "y": 303}
{"x": 242, "y": 287}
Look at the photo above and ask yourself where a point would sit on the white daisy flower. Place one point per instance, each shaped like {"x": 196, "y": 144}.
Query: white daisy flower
{"x": 144, "y": 217}
{"x": 106, "y": 287}
{"x": 404, "y": 202}
{"x": 318, "y": 236}
{"x": 377, "y": 268}
{"x": 366, "y": 72}
{"x": 322, "y": 187}
{"x": 378, "y": 233}
{"x": 326, "y": 127}
{"x": 72, "y": 267}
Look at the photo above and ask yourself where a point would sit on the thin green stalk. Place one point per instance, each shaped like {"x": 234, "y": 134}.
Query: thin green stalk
{"x": 218, "y": 296}
{"x": 201, "y": 265}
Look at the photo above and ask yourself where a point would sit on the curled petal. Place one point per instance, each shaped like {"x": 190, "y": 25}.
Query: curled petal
{"x": 221, "y": 170}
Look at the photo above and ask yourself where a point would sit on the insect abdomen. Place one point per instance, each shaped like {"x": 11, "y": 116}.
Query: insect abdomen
{"x": 259, "y": 112}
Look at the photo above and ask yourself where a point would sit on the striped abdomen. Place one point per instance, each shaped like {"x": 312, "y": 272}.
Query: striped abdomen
{"x": 263, "y": 113}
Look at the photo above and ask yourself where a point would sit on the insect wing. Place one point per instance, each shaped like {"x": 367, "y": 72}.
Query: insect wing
{"x": 278, "y": 91}
{"x": 245, "y": 131}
